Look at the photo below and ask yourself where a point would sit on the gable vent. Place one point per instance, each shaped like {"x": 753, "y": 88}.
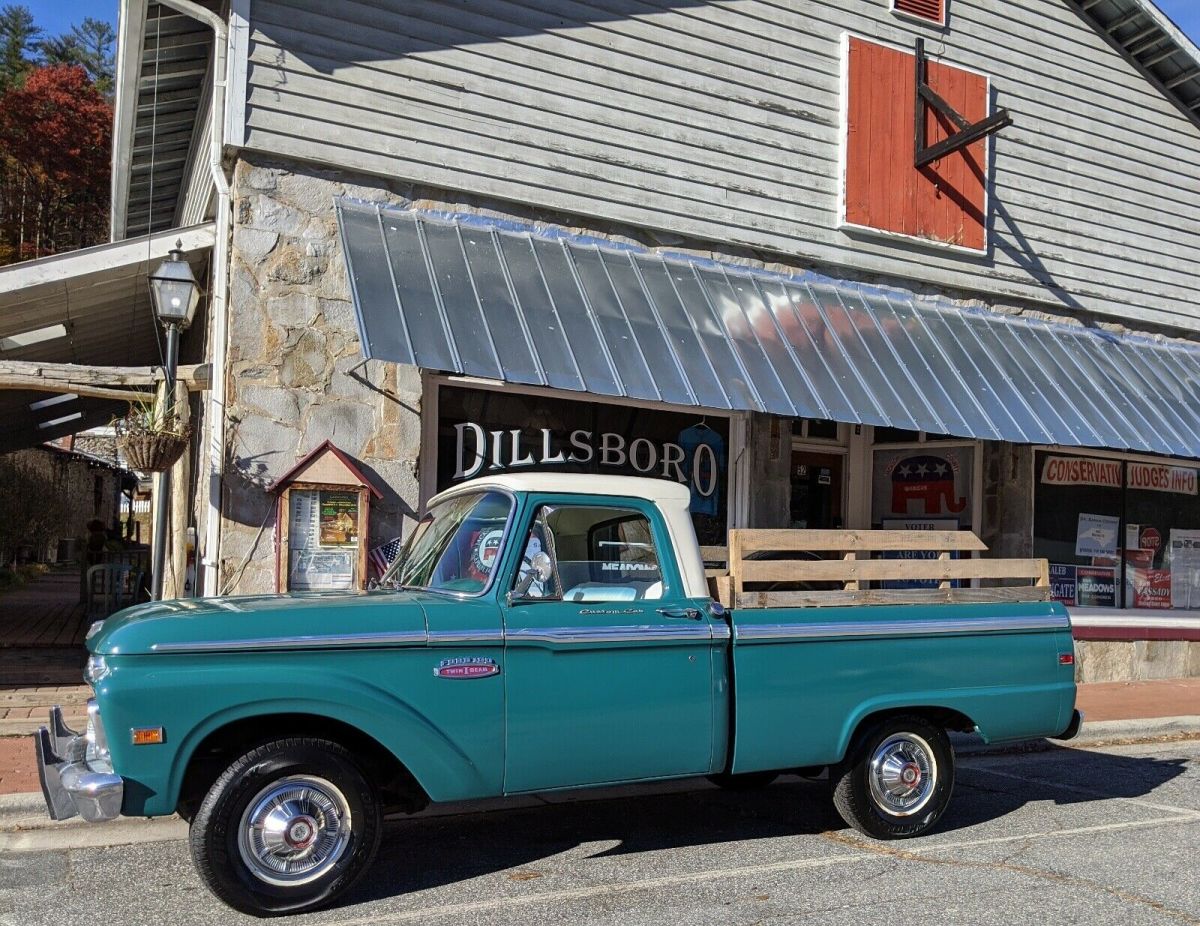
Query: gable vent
{"x": 932, "y": 10}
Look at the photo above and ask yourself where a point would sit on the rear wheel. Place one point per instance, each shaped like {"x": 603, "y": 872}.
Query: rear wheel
{"x": 897, "y": 778}
{"x": 286, "y": 828}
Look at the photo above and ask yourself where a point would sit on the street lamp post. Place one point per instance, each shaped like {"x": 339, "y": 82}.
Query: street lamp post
{"x": 175, "y": 295}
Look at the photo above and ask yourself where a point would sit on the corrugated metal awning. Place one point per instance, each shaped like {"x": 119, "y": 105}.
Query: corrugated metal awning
{"x": 482, "y": 297}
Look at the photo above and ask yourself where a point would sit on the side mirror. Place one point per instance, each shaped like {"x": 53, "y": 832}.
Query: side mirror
{"x": 542, "y": 566}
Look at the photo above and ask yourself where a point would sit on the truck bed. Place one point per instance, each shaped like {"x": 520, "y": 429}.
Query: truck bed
{"x": 842, "y": 568}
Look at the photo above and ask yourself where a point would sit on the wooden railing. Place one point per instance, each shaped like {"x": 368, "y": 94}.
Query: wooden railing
{"x": 768, "y": 569}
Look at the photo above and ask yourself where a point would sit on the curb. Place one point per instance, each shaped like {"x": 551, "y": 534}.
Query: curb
{"x": 1092, "y": 733}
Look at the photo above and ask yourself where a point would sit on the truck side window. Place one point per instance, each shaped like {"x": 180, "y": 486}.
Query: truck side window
{"x": 596, "y": 554}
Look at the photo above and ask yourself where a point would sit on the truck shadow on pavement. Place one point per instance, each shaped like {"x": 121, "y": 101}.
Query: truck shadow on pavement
{"x": 424, "y": 852}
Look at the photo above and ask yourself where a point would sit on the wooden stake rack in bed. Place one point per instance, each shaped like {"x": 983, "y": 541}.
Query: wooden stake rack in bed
{"x": 830, "y": 568}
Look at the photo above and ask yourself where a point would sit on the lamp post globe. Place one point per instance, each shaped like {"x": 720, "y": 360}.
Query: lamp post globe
{"x": 174, "y": 291}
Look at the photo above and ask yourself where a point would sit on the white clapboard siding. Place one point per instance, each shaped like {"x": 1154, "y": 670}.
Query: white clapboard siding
{"x": 720, "y": 121}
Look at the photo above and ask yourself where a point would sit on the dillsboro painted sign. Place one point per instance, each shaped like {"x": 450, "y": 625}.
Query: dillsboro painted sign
{"x": 476, "y": 448}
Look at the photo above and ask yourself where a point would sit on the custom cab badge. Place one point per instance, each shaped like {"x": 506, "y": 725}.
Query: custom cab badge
{"x": 467, "y": 667}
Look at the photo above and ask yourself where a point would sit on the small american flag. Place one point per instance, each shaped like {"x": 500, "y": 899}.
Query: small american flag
{"x": 384, "y": 555}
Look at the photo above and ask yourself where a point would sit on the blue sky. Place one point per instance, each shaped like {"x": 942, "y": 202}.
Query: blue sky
{"x": 56, "y": 16}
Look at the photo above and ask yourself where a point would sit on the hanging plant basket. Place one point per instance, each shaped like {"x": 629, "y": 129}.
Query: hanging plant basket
{"x": 151, "y": 451}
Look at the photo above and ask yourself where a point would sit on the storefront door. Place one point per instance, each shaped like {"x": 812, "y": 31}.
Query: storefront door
{"x": 816, "y": 490}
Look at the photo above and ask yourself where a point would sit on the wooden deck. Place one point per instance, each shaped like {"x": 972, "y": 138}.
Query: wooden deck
{"x": 45, "y": 613}
{"x": 34, "y": 680}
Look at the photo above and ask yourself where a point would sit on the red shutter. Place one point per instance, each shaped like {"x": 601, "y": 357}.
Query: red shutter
{"x": 934, "y": 10}
{"x": 884, "y": 190}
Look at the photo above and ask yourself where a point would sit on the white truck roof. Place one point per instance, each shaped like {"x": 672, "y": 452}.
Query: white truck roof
{"x": 655, "y": 490}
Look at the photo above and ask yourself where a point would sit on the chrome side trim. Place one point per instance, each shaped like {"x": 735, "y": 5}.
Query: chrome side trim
{"x": 464, "y": 637}
{"x": 765, "y": 633}
{"x": 312, "y": 641}
{"x": 640, "y": 633}
{"x": 634, "y": 633}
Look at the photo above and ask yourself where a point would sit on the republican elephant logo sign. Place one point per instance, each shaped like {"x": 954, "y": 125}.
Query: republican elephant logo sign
{"x": 929, "y": 480}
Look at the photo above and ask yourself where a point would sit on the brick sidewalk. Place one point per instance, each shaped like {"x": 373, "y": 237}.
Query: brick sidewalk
{"x": 1169, "y": 697}
{"x": 1108, "y": 701}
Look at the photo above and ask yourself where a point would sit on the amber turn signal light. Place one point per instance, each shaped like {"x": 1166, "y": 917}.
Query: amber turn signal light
{"x": 147, "y": 736}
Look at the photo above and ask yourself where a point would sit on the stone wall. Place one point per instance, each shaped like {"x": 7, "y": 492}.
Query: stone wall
{"x": 1007, "y": 499}
{"x": 70, "y": 494}
{"x": 296, "y": 376}
{"x": 1134, "y": 660}
{"x": 769, "y": 479}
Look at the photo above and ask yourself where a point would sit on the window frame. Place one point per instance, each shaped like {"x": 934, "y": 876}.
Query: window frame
{"x": 1124, "y": 457}
{"x": 668, "y": 566}
{"x": 480, "y": 490}
{"x": 854, "y": 230}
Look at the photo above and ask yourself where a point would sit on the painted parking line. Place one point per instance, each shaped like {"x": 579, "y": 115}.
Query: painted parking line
{"x": 726, "y": 874}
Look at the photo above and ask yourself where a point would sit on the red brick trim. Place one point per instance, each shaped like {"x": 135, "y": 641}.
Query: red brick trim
{"x": 1136, "y": 633}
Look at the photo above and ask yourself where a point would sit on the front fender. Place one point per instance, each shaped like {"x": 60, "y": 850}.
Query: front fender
{"x": 450, "y": 745}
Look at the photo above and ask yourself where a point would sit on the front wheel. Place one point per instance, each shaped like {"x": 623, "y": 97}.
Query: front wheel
{"x": 286, "y": 828}
{"x": 897, "y": 778}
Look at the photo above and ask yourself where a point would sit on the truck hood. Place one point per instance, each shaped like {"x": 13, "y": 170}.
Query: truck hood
{"x": 260, "y": 622}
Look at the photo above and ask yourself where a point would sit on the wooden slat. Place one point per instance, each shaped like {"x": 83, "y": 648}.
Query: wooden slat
{"x": 754, "y": 541}
{"x": 736, "y": 553}
{"x": 724, "y": 590}
{"x": 714, "y": 554}
{"x": 878, "y": 570}
{"x": 885, "y": 596}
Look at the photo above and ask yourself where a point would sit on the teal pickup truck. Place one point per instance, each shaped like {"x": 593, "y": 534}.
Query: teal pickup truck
{"x": 540, "y": 631}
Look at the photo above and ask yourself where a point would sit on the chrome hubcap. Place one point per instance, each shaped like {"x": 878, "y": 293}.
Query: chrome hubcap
{"x": 294, "y": 830}
{"x": 903, "y": 774}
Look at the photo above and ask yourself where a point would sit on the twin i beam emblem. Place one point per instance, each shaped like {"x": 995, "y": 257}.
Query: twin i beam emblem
{"x": 466, "y": 667}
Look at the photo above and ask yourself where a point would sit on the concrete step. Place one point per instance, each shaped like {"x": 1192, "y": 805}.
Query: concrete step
{"x": 23, "y": 726}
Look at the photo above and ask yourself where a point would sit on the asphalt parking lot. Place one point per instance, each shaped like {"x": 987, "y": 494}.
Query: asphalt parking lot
{"x": 1068, "y": 836}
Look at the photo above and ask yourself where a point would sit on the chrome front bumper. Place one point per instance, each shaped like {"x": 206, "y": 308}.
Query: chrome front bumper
{"x": 75, "y": 770}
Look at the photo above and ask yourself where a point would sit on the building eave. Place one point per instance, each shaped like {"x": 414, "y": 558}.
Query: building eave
{"x": 1157, "y": 47}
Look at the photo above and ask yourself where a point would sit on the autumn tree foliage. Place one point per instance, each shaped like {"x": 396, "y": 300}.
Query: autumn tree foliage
{"x": 55, "y": 139}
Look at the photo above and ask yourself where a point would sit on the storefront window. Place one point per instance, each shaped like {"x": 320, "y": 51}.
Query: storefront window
{"x": 922, "y": 488}
{"x": 482, "y": 432}
{"x": 1118, "y": 533}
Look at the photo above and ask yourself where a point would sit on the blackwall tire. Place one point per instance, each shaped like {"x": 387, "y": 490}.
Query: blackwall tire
{"x": 896, "y": 780}
{"x": 286, "y": 828}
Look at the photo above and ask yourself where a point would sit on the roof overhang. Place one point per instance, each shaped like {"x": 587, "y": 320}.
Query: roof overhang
{"x": 163, "y": 84}
{"x": 1157, "y": 47}
{"x": 90, "y": 307}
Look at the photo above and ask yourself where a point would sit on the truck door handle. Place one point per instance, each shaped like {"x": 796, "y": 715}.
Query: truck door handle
{"x": 688, "y": 614}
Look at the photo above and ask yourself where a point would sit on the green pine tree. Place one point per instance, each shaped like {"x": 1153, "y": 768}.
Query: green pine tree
{"x": 18, "y": 41}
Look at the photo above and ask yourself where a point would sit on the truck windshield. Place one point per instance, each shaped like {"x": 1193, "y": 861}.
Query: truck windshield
{"x": 455, "y": 546}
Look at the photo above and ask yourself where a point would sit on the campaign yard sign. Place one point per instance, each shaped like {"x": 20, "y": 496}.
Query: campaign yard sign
{"x": 1062, "y": 583}
{"x": 1096, "y": 587}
